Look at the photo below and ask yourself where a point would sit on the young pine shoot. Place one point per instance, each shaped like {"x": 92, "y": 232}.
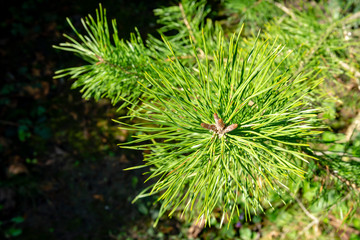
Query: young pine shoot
{"x": 224, "y": 133}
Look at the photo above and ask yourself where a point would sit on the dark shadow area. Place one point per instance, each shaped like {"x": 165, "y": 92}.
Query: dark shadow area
{"x": 61, "y": 171}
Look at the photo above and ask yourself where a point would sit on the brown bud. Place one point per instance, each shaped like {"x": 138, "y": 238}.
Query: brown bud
{"x": 209, "y": 126}
{"x": 230, "y": 128}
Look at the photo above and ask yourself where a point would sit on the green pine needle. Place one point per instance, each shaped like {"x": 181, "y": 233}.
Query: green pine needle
{"x": 267, "y": 121}
{"x": 114, "y": 66}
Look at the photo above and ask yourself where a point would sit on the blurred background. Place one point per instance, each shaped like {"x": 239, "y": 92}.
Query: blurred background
{"x": 61, "y": 169}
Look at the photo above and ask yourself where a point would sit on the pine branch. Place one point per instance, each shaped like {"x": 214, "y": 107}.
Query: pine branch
{"x": 197, "y": 168}
{"x": 222, "y": 120}
{"x": 187, "y": 23}
{"x": 114, "y": 66}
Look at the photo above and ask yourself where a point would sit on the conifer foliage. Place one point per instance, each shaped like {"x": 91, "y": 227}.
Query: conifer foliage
{"x": 229, "y": 130}
{"x": 223, "y": 121}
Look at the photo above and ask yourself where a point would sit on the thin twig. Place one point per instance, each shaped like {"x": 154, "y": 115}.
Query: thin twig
{"x": 353, "y": 17}
{"x": 350, "y": 68}
{"x": 196, "y": 228}
{"x": 347, "y": 214}
{"x": 324, "y": 153}
{"x": 306, "y": 211}
{"x": 346, "y": 67}
{"x": 187, "y": 23}
{"x": 314, "y": 222}
{"x": 355, "y": 125}
{"x": 188, "y": 26}
{"x": 285, "y": 10}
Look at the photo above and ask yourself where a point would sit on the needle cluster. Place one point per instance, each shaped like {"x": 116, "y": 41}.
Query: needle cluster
{"x": 258, "y": 113}
{"x": 264, "y": 115}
